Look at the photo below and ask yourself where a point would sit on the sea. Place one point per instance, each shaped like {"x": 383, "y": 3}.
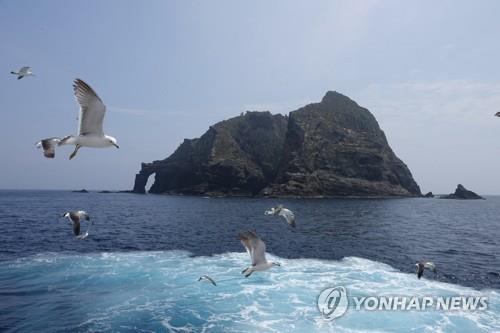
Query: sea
{"x": 138, "y": 269}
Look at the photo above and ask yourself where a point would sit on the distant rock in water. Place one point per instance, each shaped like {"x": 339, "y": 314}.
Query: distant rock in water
{"x": 81, "y": 191}
{"x": 461, "y": 193}
{"x": 429, "y": 195}
{"x": 331, "y": 148}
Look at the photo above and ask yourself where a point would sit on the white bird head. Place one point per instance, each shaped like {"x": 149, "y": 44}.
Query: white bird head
{"x": 112, "y": 141}
{"x": 269, "y": 212}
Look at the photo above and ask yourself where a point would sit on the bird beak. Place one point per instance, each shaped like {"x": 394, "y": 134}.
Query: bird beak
{"x": 114, "y": 144}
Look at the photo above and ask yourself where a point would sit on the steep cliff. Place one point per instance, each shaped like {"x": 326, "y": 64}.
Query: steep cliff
{"x": 238, "y": 156}
{"x": 331, "y": 148}
{"x": 336, "y": 148}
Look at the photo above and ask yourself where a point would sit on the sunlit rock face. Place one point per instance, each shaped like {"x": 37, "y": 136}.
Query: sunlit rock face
{"x": 336, "y": 148}
{"x": 331, "y": 148}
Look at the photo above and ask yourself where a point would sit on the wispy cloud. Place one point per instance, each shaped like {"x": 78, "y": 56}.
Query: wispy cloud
{"x": 445, "y": 130}
{"x": 424, "y": 100}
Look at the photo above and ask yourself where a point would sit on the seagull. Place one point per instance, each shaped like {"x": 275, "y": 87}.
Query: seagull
{"x": 281, "y": 211}
{"x": 421, "y": 265}
{"x": 208, "y": 279}
{"x": 24, "y": 71}
{"x": 256, "y": 248}
{"x": 75, "y": 217}
{"x": 90, "y": 132}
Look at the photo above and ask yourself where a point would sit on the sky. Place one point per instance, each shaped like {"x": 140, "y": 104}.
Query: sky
{"x": 428, "y": 70}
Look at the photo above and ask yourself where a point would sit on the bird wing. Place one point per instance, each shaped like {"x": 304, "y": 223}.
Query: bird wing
{"x": 258, "y": 249}
{"x": 288, "y": 215}
{"x": 92, "y": 109}
{"x": 76, "y": 228}
{"x": 49, "y": 146}
{"x": 245, "y": 241}
{"x": 419, "y": 269}
{"x": 83, "y": 215}
{"x": 430, "y": 265}
{"x": 74, "y": 217}
{"x": 24, "y": 70}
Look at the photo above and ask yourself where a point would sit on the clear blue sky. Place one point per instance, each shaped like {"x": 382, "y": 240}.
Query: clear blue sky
{"x": 428, "y": 70}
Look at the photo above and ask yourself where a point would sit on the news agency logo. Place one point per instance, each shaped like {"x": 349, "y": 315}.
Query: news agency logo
{"x": 333, "y": 302}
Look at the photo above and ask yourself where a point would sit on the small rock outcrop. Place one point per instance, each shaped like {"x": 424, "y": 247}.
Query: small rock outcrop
{"x": 429, "y": 195}
{"x": 81, "y": 191}
{"x": 462, "y": 193}
{"x": 330, "y": 148}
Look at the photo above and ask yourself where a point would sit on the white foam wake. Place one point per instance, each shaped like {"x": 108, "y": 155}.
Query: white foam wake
{"x": 158, "y": 291}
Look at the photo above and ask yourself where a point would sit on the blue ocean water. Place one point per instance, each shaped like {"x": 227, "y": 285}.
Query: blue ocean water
{"x": 137, "y": 270}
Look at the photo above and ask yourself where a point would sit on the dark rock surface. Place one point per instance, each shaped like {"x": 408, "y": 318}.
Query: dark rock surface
{"x": 429, "y": 195}
{"x": 81, "y": 191}
{"x": 331, "y": 148}
{"x": 462, "y": 193}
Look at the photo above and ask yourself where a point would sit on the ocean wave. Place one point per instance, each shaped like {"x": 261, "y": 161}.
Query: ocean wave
{"x": 158, "y": 291}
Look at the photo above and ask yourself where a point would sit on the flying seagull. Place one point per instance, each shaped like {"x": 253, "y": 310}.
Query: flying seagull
{"x": 24, "y": 71}
{"x": 421, "y": 265}
{"x": 256, "y": 248}
{"x": 281, "y": 211}
{"x": 90, "y": 132}
{"x": 208, "y": 279}
{"x": 75, "y": 217}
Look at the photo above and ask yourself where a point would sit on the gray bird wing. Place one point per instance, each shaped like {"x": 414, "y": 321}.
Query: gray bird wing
{"x": 74, "y": 216}
{"x": 419, "y": 269}
{"x": 430, "y": 265}
{"x": 258, "y": 249}
{"x": 245, "y": 241}
{"x": 288, "y": 215}
{"x": 92, "y": 109}
{"x": 49, "y": 146}
{"x": 84, "y": 215}
{"x": 24, "y": 70}
{"x": 76, "y": 228}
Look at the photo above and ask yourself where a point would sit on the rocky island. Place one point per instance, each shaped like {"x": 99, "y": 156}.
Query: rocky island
{"x": 327, "y": 149}
{"x": 462, "y": 193}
